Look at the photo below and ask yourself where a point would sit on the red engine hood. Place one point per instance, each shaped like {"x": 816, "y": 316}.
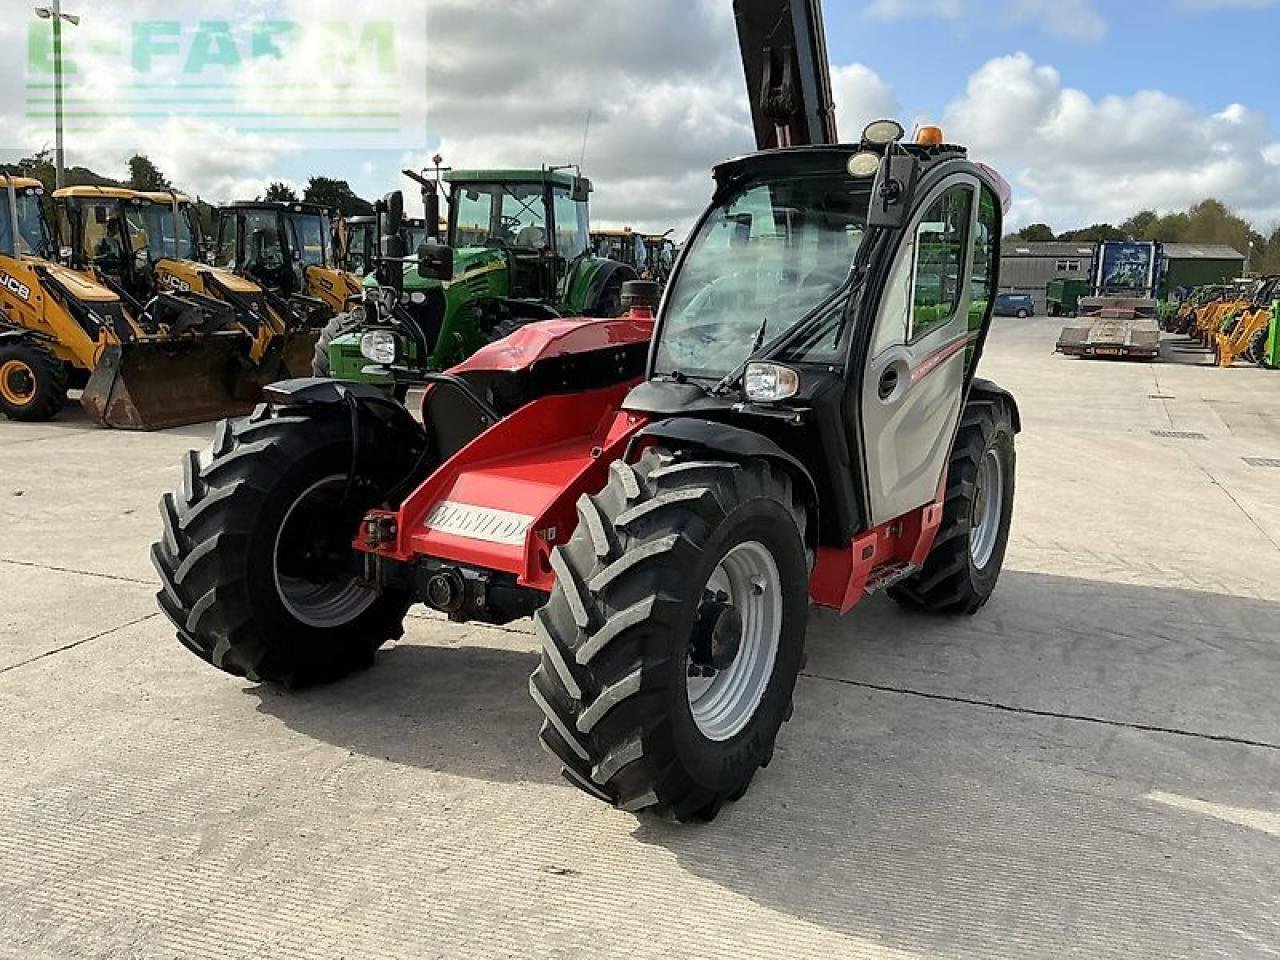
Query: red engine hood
{"x": 552, "y": 338}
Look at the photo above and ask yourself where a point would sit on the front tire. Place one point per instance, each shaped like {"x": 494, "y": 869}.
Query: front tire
{"x": 961, "y": 570}
{"x": 649, "y": 701}
{"x": 33, "y": 383}
{"x": 338, "y": 325}
{"x": 257, "y": 571}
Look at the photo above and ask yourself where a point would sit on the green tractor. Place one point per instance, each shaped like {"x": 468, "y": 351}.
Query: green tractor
{"x": 521, "y": 252}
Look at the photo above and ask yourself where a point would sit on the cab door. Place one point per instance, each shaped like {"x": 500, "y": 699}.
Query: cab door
{"x": 913, "y": 384}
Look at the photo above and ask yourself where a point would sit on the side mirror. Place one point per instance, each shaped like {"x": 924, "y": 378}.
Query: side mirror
{"x": 581, "y": 189}
{"x": 393, "y": 218}
{"x": 435, "y": 261}
{"x": 894, "y": 189}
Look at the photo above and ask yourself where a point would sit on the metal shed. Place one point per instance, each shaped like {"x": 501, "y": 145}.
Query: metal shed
{"x": 1027, "y": 267}
{"x": 1195, "y": 264}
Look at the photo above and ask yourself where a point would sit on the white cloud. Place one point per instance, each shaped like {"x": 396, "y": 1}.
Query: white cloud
{"x": 1074, "y": 159}
{"x": 861, "y": 96}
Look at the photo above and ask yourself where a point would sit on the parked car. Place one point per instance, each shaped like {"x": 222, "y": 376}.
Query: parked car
{"x": 1020, "y": 305}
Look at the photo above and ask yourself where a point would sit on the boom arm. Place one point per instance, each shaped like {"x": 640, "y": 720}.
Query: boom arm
{"x": 784, "y": 55}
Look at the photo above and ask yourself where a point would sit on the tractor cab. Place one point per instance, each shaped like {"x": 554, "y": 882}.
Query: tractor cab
{"x": 660, "y": 257}
{"x": 533, "y": 221}
{"x": 287, "y": 248}
{"x": 624, "y": 245}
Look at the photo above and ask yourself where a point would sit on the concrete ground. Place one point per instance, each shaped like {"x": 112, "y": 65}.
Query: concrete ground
{"x": 1090, "y": 767}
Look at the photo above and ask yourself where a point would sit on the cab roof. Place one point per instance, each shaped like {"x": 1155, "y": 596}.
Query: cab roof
{"x": 20, "y": 183}
{"x": 299, "y": 207}
{"x": 113, "y": 193}
{"x": 163, "y": 196}
{"x": 559, "y": 177}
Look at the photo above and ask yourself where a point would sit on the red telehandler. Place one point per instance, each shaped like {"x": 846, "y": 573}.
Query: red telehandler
{"x": 665, "y": 497}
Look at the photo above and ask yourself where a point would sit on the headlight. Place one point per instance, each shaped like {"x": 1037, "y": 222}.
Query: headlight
{"x": 418, "y": 297}
{"x": 380, "y": 346}
{"x": 766, "y": 382}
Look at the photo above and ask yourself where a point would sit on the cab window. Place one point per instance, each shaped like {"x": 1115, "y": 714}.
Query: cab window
{"x": 225, "y": 252}
{"x": 986, "y": 247}
{"x": 572, "y": 238}
{"x": 940, "y": 249}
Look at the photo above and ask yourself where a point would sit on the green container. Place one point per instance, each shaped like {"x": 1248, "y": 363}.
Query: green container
{"x": 1063, "y": 296}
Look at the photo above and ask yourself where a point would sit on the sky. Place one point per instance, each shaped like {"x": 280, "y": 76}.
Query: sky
{"x": 1092, "y": 109}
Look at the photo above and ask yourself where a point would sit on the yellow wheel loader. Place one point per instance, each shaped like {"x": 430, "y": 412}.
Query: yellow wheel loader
{"x": 1245, "y": 334}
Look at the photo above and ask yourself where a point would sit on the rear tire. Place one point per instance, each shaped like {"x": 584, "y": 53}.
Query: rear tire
{"x": 1023, "y": 314}
{"x": 33, "y": 383}
{"x": 623, "y": 715}
{"x": 338, "y": 325}
{"x": 255, "y": 560}
{"x": 960, "y": 572}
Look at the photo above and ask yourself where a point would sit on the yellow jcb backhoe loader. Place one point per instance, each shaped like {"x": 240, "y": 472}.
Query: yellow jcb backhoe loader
{"x": 290, "y": 251}
{"x": 61, "y": 328}
{"x": 172, "y": 264}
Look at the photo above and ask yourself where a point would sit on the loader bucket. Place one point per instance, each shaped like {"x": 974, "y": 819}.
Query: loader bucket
{"x": 298, "y": 353}
{"x": 153, "y": 384}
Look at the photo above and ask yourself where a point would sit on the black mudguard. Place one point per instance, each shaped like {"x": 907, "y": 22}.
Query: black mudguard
{"x": 323, "y": 392}
{"x": 738, "y": 443}
{"x": 990, "y": 390}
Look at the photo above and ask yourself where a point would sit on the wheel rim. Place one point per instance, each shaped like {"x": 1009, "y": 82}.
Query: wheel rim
{"x": 724, "y": 703}
{"x": 17, "y": 382}
{"x": 988, "y": 502}
{"x": 308, "y": 559}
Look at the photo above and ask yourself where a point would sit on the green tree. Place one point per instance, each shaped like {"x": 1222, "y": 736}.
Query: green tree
{"x": 145, "y": 175}
{"x": 1093, "y": 234}
{"x": 336, "y": 195}
{"x": 1141, "y": 225}
{"x": 281, "y": 192}
{"x": 1036, "y": 233}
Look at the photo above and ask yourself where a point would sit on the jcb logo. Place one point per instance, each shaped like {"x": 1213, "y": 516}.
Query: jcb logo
{"x": 15, "y": 286}
{"x": 177, "y": 283}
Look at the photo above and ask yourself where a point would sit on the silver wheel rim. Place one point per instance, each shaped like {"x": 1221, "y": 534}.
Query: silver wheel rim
{"x": 988, "y": 501}
{"x": 322, "y": 605}
{"x": 723, "y": 704}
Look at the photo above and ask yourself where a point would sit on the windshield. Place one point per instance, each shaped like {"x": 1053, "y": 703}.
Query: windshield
{"x": 33, "y": 231}
{"x": 160, "y": 220}
{"x": 307, "y": 238}
{"x": 765, "y": 258}
{"x": 506, "y": 214}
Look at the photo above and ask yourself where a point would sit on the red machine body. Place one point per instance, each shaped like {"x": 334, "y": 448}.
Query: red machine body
{"x": 504, "y": 500}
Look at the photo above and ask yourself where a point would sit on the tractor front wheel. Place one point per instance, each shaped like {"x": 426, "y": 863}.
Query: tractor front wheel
{"x": 961, "y": 570}
{"x": 672, "y": 640}
{"x": 257, "y": 569}
{"x": 338, "y": 325}
{"x": 33, "y": 383}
